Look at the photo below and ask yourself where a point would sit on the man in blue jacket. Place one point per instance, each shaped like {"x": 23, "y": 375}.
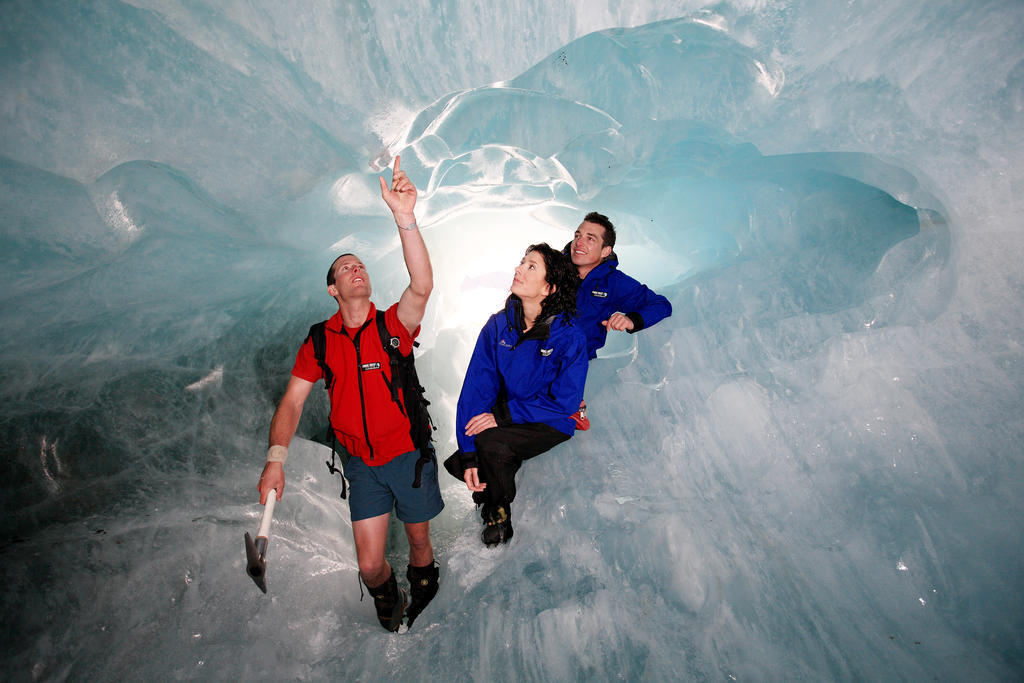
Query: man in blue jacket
{"x": 607, "y": 299}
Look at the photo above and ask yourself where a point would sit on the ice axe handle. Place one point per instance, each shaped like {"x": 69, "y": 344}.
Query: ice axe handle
{"x": 256, "y": 550}
{"x": 268, "y": 513}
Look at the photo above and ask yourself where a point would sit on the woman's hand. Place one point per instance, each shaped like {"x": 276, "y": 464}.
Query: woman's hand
{"x": 480, "y": 423}
{"x": 472, "y": 479}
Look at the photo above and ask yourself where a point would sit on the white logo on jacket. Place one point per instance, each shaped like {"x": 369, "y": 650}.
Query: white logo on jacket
{"x": 598, "y": 294}
{"x": 546, "y": 352}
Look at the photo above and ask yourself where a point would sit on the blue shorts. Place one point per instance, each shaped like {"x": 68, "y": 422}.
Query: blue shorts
{"x": 376, "y": 490}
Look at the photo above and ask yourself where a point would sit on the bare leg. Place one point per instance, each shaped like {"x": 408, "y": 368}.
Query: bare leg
{"x": 371, "y": 536}
{"x": 421, "y": 552}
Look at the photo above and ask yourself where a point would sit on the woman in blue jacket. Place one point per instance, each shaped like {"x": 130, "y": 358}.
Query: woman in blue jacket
{"x": 524, "y": 381}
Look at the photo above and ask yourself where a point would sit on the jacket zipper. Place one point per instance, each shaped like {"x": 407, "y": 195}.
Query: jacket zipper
{"x": 359, "y": 378}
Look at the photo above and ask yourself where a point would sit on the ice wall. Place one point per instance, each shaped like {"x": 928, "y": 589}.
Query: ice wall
{"x": 811, "y": 471}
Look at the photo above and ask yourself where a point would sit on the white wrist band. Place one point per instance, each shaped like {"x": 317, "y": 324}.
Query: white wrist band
{"x": 411, "y": 226}
{"x": 277, "y": 454}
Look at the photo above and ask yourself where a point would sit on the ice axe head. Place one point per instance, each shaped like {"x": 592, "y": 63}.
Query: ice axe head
{"x": 256, "y": 560}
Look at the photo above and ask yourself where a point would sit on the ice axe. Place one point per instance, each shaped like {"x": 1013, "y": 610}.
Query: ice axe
{"x": 256, "y": 551}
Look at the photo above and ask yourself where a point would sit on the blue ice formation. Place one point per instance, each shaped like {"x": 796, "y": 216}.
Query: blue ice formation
{"x": 811, "y": 471}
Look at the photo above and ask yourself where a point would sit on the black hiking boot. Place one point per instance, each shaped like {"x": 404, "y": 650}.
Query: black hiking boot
{"x": 497, "y": 524}
{"x": 390, "y": 602}
{"x": 422, "y": 589}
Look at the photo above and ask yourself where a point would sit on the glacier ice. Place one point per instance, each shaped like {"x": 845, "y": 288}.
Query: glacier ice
{"x": 811, "y": 471}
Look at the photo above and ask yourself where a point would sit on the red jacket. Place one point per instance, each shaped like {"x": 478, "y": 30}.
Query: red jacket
{"x": 366, "y": 421}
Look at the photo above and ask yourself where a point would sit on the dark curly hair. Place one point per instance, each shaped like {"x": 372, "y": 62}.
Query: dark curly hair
{"x": 561, "y": 273}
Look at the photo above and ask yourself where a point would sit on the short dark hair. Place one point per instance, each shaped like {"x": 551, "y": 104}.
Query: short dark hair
{"x": 560, "y": 272}
{"x": 330, "y": 271}
{"x": 602, "y": 220}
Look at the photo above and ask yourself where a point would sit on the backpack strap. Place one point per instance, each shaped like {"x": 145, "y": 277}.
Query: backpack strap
{"x": 391, "y": 343}
{"x": 330, "y": 465}
{"x": 399, "y": 366}
{"x": 318, "y": 337}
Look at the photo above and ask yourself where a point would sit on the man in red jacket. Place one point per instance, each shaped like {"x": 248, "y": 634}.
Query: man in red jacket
{"x": 365, "y": 418}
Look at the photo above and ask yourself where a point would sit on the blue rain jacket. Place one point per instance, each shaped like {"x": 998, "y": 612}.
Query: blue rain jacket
{"x": 605, "y": 291}
{"x": 533, "y": 377}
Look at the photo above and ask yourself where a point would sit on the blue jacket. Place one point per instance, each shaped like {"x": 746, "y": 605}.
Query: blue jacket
{"x": 533, "y": 377}
{"x": 605, "y": 291}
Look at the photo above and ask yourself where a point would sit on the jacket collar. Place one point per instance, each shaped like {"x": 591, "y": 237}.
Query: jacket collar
{"x": 602, "y": 269}
{"x": 336, "y": 324}
{"x": 515, "y": 321}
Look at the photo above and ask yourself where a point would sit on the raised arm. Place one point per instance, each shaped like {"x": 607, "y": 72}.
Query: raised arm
{"x": 401, "y": 199}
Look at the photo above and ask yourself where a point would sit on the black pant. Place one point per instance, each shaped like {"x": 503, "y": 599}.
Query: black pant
{"x": 500, "y": 451}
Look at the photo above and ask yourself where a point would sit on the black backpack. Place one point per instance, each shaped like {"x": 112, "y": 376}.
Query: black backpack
{"x": 403, "y": 376}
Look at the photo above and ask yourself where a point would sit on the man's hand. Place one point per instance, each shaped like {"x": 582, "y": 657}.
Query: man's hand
{"x": 472, "y": 479}
{"x": 480, "y": 423}
{"x": 618, "y": 321}
{"x": 401, "y": 198}
{"x": 272, "y": 478}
